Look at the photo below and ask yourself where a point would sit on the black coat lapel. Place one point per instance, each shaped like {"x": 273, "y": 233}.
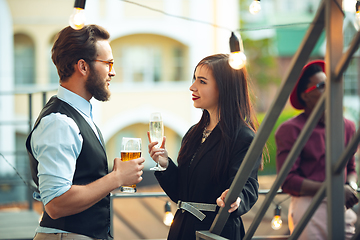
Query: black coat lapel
{"x": 211, "y": 142}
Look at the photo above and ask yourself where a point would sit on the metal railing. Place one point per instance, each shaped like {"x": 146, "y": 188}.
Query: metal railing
{"x": 337, "y": 63}
{"x": 24, "y": 170}
{"x": 163, "y": 194}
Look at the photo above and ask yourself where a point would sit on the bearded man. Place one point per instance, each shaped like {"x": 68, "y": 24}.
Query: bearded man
{"x": 67, "y": 152}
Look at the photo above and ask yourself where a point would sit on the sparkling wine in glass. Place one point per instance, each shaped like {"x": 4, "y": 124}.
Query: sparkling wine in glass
{"x": 156, "y": 129}
{"x": 130, "y": 149}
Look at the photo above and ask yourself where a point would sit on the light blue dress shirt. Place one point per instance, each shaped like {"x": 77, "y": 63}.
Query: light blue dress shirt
{"x": 56, "y": 143}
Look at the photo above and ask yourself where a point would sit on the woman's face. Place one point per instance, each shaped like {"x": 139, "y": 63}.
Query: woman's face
{"x": 205, "y": 93}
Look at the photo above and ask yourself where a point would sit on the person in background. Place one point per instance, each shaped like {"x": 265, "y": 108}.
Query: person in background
{"x": 66, "y": 149}
{"x": 308, "y": 172}
{"x": 211, "y": 152}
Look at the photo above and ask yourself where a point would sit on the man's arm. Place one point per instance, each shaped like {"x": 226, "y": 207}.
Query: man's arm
{"x": 309, "y": 187}
{"x": 56, "y": 143}
{"x": 79, "y": 198}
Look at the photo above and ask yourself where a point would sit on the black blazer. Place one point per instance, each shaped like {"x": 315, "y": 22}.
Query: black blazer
{"x": 194, "y": 183}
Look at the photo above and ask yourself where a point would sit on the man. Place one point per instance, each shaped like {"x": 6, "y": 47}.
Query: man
{"x": 67, "y": 153}
{"x": 308, "y": 172}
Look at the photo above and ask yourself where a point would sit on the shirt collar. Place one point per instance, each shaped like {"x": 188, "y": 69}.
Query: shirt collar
{"x": 75, "y": 101}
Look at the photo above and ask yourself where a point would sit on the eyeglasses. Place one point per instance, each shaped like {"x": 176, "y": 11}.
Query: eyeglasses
{"x": 111, "y": 64}
{"x": 319, "y": 86}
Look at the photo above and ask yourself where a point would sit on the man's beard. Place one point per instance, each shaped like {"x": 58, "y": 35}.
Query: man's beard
{"x": 97, "y": 87}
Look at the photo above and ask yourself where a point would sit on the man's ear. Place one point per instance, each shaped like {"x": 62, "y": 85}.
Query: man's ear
{"x": 82, "y": 67}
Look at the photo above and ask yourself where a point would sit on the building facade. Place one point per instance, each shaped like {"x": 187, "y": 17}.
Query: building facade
{"x": 154, "y": 53}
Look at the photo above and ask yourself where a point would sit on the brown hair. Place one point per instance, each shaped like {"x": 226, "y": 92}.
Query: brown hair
{"x": 234, "y": 108}
{"x": 72, "y": 45}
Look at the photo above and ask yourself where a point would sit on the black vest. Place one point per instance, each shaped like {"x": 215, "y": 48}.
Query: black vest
{"x": 90, "y": 166}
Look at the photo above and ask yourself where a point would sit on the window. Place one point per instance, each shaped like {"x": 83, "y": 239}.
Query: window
{"x": 351, "y": 78}
{"x": 24, "y": 65}
{"x": 178, "y": 64}
{"x": 141, "y": 64}
{"x": 53, "y": 75}
{"x": 148, "y": 58}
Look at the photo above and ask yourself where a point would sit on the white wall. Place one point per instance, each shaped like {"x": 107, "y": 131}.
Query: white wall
{"x": 7, "y": 132}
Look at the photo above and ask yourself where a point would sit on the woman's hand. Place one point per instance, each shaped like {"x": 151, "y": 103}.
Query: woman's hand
{"x": 158, "y": 154}
{"x": 221, "y": 202}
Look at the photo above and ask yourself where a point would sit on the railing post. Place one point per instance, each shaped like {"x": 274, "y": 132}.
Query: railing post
{"x": 334, "y": 120}
{"x": 30, "y": 199}
{"x": 44, "y": 98}
{"x": 111, "y": 216}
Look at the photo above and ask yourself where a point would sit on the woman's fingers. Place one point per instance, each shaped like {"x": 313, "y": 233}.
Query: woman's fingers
{"x": 220, "y": 201}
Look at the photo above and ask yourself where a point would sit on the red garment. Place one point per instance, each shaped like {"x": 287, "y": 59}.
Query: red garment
{"x": 311, "y": 162}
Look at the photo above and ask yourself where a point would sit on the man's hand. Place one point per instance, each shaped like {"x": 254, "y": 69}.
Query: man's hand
{"x": 350, "y": 197}
{"x": 129, "y": 172}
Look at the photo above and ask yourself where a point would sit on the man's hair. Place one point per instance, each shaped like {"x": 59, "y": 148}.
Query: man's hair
{"x": 305, "y": 79}
{"x": 72, "y": 45}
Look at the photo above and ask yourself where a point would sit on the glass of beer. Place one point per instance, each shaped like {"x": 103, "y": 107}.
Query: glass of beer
{"x": 130, "y": 149}
{"x": 156, "y": 129}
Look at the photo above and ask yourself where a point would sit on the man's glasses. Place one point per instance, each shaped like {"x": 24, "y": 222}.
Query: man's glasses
{"x": 111, "y": 64}
{"x": 319, "y": 86}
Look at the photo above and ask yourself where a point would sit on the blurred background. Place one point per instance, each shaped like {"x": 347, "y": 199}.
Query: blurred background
{"x": 156, "y": 45}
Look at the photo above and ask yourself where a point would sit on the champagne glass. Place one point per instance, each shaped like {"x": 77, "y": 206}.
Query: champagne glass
{"x": 130, "y": 149}
{"x": 156, "y": 128}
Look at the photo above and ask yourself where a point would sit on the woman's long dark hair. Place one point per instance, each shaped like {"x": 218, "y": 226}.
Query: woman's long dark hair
{"x": 234, "y": 108}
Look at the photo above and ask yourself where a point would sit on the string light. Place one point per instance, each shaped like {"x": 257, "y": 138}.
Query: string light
{"x": 169, "y": 217}
{"x": 255, "y": 7}
{"x": 237, "y": 58}
{"x": 77, "y": 19}
{"x": 276, "y": 222}
{"x": 217, "y": 26}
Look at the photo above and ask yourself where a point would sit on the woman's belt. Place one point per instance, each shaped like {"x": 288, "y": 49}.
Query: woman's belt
{"x": 196, "y": 208}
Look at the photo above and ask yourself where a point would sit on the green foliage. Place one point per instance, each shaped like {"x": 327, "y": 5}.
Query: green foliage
{"x": 261, "y": 63}
{"x": 270, "y": 163}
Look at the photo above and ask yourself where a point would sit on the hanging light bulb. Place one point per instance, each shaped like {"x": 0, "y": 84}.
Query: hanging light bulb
{"x": 255, "y": 7}
{"x": 169, "y": 217}
{"x": 77, "y": 19}
{"x": 357, "y": 12}
{"x": 348, "y": 5}
{"x": 237, "y": 58}
{"x": 276, "y": 222}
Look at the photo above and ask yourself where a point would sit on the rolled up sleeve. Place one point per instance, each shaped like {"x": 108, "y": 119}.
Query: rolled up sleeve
{"x": 56, "y": 144}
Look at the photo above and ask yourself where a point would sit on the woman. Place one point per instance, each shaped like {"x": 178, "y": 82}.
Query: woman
{"x": 211, "y": 152}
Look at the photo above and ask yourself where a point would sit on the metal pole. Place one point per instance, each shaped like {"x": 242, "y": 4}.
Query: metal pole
{"x": 346, "y": 57}
{"x": 293, "y": 154}
{"x": 111, "y": 216}
{"x": 44, "y": 98}
{"x": 269, "y": 121}
{"x": 334, "y": 120}
{"x": 29, "y": 191}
